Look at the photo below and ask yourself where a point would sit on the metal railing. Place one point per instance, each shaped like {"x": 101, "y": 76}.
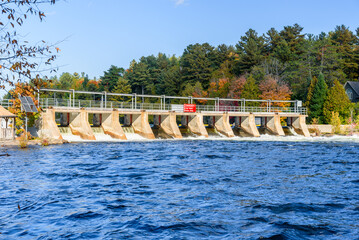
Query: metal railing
{"x": 5, "y": 103}
{"x": 96, "y": 104}
{"x": 163, "y": 102}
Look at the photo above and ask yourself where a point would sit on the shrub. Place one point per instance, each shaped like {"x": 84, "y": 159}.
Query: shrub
{"x": 335, "y": 122}
{"x": 23, "y": 140}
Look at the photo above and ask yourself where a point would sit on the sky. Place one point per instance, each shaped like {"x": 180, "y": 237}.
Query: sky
{"x": 95, "y": 34}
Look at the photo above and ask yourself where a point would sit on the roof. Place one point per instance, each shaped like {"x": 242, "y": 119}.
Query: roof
{"x": 354, "y": 86}
{"x": 5, "y": 113}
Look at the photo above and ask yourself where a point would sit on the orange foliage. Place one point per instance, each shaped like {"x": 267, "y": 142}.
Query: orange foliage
{"x": 23, "y": 89}
{"x": 236, "y": 87}
{"x": 272, "y": 90}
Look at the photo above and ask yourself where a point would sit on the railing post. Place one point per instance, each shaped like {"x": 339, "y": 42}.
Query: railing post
{"x": 135, "y": 100}
{"x": 105, "y": 99}
{"x": 164, "y": 102}
{"x": 73, "y": 97}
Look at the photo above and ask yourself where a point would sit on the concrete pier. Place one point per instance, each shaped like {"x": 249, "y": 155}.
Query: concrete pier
{"x": 274, "y": 125}
{"x": 49, "y": 127}
{"x": 111, "y": 125}
{"x": 248, "y": 124}
{"x": 222, "y": 125}
{"x": 141, "y": 125}
{"x": 245, "y": 124}
{"x": 169, "y": 125}
{"x": 80, "y": 126}
{"x": 196, "y": 125}
{"x": 299, "y": 125}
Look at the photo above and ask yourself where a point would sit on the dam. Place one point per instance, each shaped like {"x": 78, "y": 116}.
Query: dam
{"x": 162, "y": 119}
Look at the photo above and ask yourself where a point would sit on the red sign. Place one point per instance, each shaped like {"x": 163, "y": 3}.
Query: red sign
{"x": 189, "y": 107}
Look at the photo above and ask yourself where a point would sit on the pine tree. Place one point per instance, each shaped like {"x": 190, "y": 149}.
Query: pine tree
{"x": 317, "y": 100}
{"x": 336, "y": 101}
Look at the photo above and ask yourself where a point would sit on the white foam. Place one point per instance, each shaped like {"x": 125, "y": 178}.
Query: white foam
{"x": 131, "y": 137}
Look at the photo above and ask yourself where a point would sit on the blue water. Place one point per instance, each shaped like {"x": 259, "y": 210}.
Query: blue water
{"x": 181, "y": 190}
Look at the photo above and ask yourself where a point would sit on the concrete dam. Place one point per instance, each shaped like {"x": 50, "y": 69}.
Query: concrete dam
{"x": 162, "y": 119}
{"x": 165, "y": 124}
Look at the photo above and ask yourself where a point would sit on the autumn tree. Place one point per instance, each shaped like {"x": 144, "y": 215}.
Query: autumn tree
{"x": 236, "y": 87}
{"x": 19, "y": 59}
{"x": 271, "y": 89}
{"x": 336, "y": 101}
{"x": 218, "y": 88}
{"x": 23, "y": 89}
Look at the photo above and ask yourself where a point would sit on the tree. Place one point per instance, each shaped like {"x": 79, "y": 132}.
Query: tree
{"x": 345, "y": 40}
{"x": 272, "y": 90}
{"x": 23, "y": 89}
{"x": 196, "y": 64}
{"x": 251, "y": 49}
{"x": 336, "y": 101}
{"x": 19, "y": 60}
{"x": 317, "y": 100}
{"x": 250, "y": 89}
{"x": 311, "y": 87}
{"x": 110, "y": 78}
{"x": 218, "y": 88}
{"x": 122, "y": 87}
{"x": 236, "y": 87}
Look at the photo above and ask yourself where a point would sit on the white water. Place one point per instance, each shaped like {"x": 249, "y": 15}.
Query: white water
{"x": 102, "y": 137}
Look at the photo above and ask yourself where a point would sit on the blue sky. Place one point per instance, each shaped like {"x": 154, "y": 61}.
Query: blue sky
{"x": 99, "y": 33}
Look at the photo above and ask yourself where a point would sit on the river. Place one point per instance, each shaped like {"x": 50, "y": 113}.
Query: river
{"x": 266, "y": 188}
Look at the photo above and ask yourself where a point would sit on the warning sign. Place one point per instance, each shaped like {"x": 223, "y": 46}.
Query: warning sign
{"x": 189, "y": 107}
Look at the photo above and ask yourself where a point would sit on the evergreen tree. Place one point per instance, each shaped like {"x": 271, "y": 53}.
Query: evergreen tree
{"x": 110, "y": 78}
{"x": 317, "y": 100}
{"x": 122, "y": 87}
{"x": 196, "y": 64}
{"x": 85, "y": 82}
{"x": 251, "y": 51}
{"x": 336, "y": 101}
{"x": 250, "y": 91}
{"x": 311, "y": 87}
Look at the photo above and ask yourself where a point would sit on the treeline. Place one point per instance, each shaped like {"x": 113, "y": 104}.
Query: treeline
{"x": 276, "y": 65}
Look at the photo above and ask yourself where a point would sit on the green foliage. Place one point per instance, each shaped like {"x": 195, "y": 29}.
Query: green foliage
{"x": 196, "y": 64}
{"x": 336, "y": 101}
{"x": 250, "y": 91}
{"x": 317, "y": 100}
{"x": 110, "y": 78}
{"x": 122, "y": 86}
{"x": 287, "y": 55}
{"x": 251, "y": 49}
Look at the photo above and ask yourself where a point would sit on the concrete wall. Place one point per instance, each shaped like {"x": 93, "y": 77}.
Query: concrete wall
{"x": 49, "y": 127}
{"x": 222, "y": 125}
{"x": 299, "y": 125}
{"x": 248, "y": 124}
{"x": 196, "y": 125}
{"x": 274, "y": 125}
{"x": 141, "y": 125}
{"x": 80, "y": 126}
{"x": 111, "y": 125}
{"x": 169, "y": 125}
